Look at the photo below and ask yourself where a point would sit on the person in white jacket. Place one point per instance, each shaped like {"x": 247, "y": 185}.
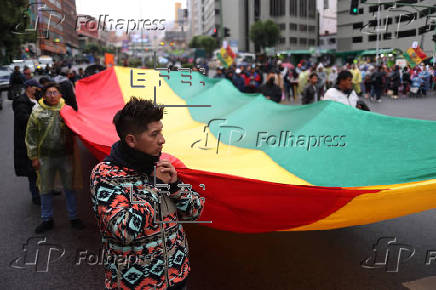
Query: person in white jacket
{"x": 343, "y": 92}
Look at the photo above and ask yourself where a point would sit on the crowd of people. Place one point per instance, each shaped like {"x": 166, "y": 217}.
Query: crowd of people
{"x": 307, "y": 83}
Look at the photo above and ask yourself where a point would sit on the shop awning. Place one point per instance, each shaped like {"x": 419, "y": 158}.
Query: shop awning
{"x": 381, "y": 51}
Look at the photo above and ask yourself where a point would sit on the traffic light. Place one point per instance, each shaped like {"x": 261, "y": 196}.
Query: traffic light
{"x": 226, "y": 32}
{"x": 214, "y": 34}
{"x": 354, "y": 9}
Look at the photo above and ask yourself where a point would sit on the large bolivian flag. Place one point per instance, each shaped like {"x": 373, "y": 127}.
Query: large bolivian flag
{"x": 267, "y": 167}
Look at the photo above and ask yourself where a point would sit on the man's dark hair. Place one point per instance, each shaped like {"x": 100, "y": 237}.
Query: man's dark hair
{"x": 44, "y": 80}
{"x": 50, "y": 85}
{"x": 313, "y": 75}
{"x": 135, "y": 117}
{"x": 343, "y": 75}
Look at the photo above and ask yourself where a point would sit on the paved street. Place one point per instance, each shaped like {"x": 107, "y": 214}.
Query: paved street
{"x": 219, "y": 260}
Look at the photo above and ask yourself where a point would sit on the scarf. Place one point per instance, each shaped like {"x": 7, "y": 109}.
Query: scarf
{"x": 125, "y": 156}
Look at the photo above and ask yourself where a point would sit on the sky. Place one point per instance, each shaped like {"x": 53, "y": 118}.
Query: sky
{"x": 129, "y": 9}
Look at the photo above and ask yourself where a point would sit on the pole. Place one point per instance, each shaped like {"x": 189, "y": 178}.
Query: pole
{"x": 378, "y": 35}
{"x": 221, "y": 22}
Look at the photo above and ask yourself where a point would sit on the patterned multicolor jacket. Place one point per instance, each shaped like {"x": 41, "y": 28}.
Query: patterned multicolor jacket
{"x": 140, "y": 251}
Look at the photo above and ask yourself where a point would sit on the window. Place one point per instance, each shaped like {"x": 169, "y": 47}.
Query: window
{"x": 282, "y": 26}
{"x": 217, "y": 11}
{"x": 321, "y": 42}
{"x": 303, "y": 8}
{"x": 372, "y": 38}
{"x": 332, "y": 40}
{"x": 282, "y": 40}
{"x": 293, "y": 27}
{"x": 373, "y": 9}
{"x": 407, "y": 33}
{"x": 311, "y": 28}
{"x": 293, "y": 40}
{"x": 311, "y": 41}
{"x": 277, "y": 7}
{"x": 358, "y": 25}
{"x": 303, "y": 40}
{"x": 387, "y": 36}
{"x": 406, "y": 17}
{"x": 312, "y": 8}
{"x": 326, "y": 4}
{"x": 303, "y": 27}
{"x": 293, "y": 7}
{"x": 358, "y": 39}
{"x": 424, "y": 12}
{"x": 257, "y": 9}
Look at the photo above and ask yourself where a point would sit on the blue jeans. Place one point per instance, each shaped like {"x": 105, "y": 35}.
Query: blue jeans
{"x": 47, "y": 205}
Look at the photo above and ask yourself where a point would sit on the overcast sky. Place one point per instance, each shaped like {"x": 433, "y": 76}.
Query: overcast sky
{"x": 128, "y": 9}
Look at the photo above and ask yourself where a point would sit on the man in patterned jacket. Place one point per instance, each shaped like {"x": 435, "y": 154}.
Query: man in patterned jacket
{"x": 144, "y": 245}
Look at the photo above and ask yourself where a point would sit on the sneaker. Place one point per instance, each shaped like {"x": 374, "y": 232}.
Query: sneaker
{"x": 379, "y": 101}
{"x": 77, "y": 224}
{"x": 36, "y": 200}
{"x": 44, "y": 226}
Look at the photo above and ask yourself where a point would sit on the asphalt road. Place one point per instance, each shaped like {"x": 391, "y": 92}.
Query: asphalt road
{"x": 219, "y": 260}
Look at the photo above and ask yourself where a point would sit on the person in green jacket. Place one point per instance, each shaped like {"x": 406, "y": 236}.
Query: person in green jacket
{"x": 49, "y": 145}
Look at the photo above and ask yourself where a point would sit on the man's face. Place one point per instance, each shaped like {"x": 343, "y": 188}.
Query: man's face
{"x": 31, "y": 90}
{"x": 52, "y": 96}
{"x": 347, "y": 83}
{"x": 314, "y": 80}
{"x": 27, "y": 74}
{"x": 150, "y": 141}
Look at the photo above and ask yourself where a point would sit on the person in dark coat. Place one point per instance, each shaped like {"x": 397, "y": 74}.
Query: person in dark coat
{"x": 270, "y": 90}
{"x": 67, "y": 89}
{"x": 22, "y": 107}
{"x": 312, "y": 91}
{"x": 395, "y": 81}
{"x": 16, "y": 82}
{"x": 406, "y": 80}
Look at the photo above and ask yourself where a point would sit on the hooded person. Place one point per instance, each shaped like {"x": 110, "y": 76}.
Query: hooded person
{"x": 49, "y": 145}
{"x": 67, "y": 89}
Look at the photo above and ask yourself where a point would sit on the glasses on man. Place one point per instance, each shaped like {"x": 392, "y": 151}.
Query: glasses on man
{"x": 52, "y": 93}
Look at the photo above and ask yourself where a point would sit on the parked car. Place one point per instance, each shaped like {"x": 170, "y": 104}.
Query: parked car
{"x": 4, "y": 84}
{"x": 17, "y": 62}
{"x": 4, "y": 80}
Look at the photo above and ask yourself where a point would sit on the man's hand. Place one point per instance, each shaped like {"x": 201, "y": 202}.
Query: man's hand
{"x": 35, "y": 164}
{"x": 166, "y": 172}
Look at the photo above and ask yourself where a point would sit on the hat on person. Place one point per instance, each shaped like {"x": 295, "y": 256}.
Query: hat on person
{"x": 32, "y": 83}
{"x": 238, "y": 71}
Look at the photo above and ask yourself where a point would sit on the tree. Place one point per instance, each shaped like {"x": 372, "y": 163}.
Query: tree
{"x": 208, "y": 43}
{"x": 265, "y": 34}
{"x": 13, "y": 18}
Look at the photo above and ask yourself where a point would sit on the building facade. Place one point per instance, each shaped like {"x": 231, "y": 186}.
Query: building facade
{"x": 327, "y": 24}
{"x": 399, "y": 27}
{"x": 55, "y": 23}
{"x": 297, "y": 20}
